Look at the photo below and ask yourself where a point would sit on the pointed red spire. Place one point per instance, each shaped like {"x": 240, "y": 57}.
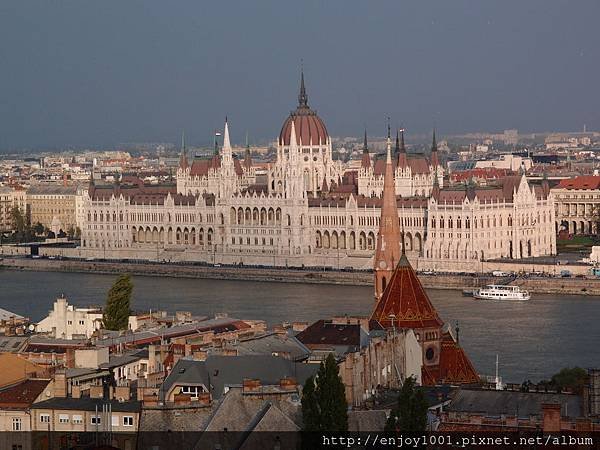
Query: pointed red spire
{"x": 387, "y": 253}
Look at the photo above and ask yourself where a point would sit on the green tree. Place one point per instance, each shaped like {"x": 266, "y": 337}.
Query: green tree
{"x": 410, "y": 415}
{"x": 573, "y": 378}
{"x": 38, "y": 229}
{"x": 324, "y": 406}
{"x": 116, "y": 313}
{"x": 18, "y": 220}
{"x": 310, "y": 406}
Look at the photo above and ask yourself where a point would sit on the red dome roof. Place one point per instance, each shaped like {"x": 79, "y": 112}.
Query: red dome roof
{"x": 310, "y": 129}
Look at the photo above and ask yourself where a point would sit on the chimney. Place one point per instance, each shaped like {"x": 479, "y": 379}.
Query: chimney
{"x": 287, "y": 384}
{"x": 96, "y": 391}
{"x": 60, "y": 384}
{"x": 251, "y": 385}
{"x": 204, "y": 398}
{"x": 76, "y": 391}
{"x": 182, "y": 399}
{"x": 122, "y": 393}
{"x": 551, "y": 417}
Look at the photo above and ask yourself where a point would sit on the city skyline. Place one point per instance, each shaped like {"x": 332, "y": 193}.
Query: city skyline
{"x": 460, "y": 68}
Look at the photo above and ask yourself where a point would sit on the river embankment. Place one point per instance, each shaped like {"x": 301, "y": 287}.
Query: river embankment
{"x": 550, "y": 285}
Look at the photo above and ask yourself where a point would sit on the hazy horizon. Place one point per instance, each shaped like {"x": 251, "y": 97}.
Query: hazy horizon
{"x": 83, "y": 73}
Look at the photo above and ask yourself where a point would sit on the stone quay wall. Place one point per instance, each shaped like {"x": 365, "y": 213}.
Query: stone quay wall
{"x": 552, "y": 285}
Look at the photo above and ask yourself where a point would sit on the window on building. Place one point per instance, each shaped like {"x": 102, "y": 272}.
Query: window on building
{"x": 127, "y": 421}
{"x": 45, "y": 418}
{"x": 95, "y": 420}
{"x": 77, "y": 419}
{"x": 63, "y": 418}
{"x": 114, "y": 421}
{"x": 17, "y": 424}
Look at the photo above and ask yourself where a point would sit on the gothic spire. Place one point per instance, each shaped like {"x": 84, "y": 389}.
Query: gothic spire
{"x": 366, "y": 158}
{"x": 247, "y": 156}
{"x": 387, "y": 253}
{"x": 397, "y": 148}
{"x": 401, "y": 150}
{"x": 435, "y": 162}
{"x": 302, "y": 97}
{"x": 402, "y": 147}
{"x": 183, "y": 162}
{"x": 226, "y": 142}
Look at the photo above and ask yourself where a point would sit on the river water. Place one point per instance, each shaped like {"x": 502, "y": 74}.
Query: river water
{"x": 533, "y": 339}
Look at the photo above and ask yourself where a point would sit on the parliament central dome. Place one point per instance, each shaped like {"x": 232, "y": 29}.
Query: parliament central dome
{"x": 310, "y": 129}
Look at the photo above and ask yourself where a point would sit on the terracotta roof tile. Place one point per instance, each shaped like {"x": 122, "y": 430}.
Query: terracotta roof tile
{"x": 581, "y": 182}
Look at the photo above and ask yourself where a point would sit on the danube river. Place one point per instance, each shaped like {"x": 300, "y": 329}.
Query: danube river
{"x": 533, "y": 339}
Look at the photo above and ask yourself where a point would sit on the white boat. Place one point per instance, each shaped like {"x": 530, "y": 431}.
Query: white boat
{"x": 501, "y": 292}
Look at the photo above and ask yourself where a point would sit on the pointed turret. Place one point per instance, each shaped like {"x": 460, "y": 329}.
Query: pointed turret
{"x": 366, "y": 157}
{"x": 183, "y": 161}
{"x": 402, "y": 158}
{"x": 226, "y": 141}
{"x": 435, "y": 162}
{"x": 435, "y": 192}
{"x": 248, "y": 155}
{"x": 387, "y": 253}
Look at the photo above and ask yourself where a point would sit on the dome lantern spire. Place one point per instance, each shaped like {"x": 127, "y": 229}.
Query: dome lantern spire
{"x": 302, "y": 97}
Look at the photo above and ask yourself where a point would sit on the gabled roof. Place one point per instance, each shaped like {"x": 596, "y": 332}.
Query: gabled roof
{"x": 418, "y": 164}
{"x": 406, "y": 299}
{"x": 220, "y": 371}
{"x": 22, "y": 395}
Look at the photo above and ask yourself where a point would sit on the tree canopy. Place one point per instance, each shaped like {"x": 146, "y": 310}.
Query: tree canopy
{"x": 116, "y": 313}
{"x": 573, "y": 378}
{"x": 410, "y": 414}
{"x": 324, "y": 406}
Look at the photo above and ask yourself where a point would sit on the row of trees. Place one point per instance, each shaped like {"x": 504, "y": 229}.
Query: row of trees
{"x": 324, "y": 406}
{"x": 24, "y": 231}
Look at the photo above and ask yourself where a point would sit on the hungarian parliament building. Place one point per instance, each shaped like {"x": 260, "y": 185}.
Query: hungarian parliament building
{"x": 311, "y": 210}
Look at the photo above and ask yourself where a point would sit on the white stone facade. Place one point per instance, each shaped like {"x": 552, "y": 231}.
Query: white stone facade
{"x": 218, "y": 214}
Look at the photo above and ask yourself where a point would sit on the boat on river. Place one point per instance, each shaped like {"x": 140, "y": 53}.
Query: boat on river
{"x": 501, "y": 292}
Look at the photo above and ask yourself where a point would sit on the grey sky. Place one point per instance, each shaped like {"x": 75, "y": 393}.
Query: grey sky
{"x": 101, "y": 72}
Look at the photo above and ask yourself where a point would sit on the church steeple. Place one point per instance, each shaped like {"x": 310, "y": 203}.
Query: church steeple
{"x": 388, "y": 252}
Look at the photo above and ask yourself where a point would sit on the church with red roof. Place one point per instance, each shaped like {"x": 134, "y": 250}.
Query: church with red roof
{"x": 403, "y": 303}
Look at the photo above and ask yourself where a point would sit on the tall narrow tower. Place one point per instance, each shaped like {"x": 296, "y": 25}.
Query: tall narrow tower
{"x": 388, "y": 252}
